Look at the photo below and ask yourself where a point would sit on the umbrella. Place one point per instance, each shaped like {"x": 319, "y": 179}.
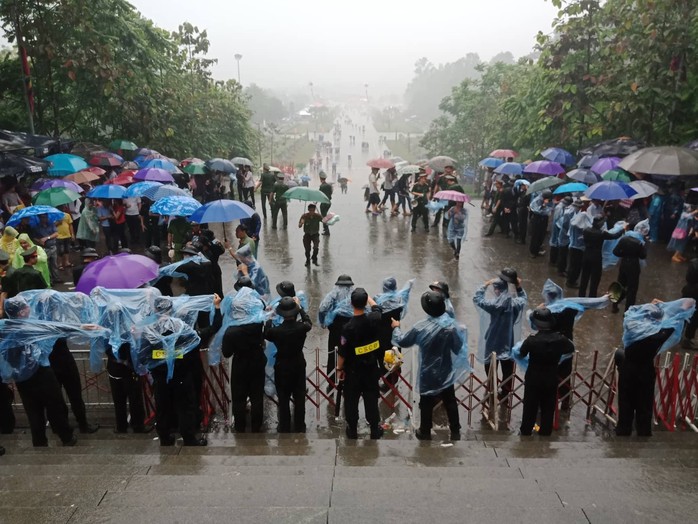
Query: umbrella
{"x": 153, "y": 174}
{"x": 521, "y": 181}
{"x": 544, "y": 167}
{"x": 440, "y": 162}
{"x": 453, "y": 196}
{"x": 220, "y": 211}
{"x": 175, "y": 206}
{"x": 12, "y": 164}
{"x": 620, "y": 146}
{"x": 380, "y": 163}
{"x": 586, "y": 176}
{"x": 605, "y": 164}
{"x": 160, "y": 191}
{"x": 306, "y": 194}
{"x": 543, "y": 183}
{"x": 643, "y": 188}
{"x": 274, "y": 169}
{"x": 144, "y": 151}
{"x": 666, "y": 160}
{"x": 96, "y": 170}
{"x": 33, "y": 212}
{"x": 139, "y": 188}
{"x": 123, "y": 145}
{"x": 573, "y": 187}
{"x": 57, "y": 182}
{"x": 241, "y": 161}
{"x": 105, "y": 160}
{"x": 491, "y": 161}
{"x": 107, "y": 191}
{"x": 55, "y": 196}
{"x": 587, "y": 161}
{"x": 559, "y": 155}
{"x": 82, "y": 177}
{"x": 509, "y": 168}
{"x": 504, "y": 153}
{"x": 143, "y": 159}
{"x": 190, "y": 160}
{"x": 616, "y": 175}
{"x": 221, "y": 164}
{"x": 130, "y": 165}
{"x": 610, "y": 191}
{"x": 195, "y": 169}
{"x": 410, "y": 169}
{"x": 64, "y": 164}
{"x": 117, "y": 272}
{"x": 86, "y": 149}
{"x": 161, "y": 163}
{"x": 123, "y": 178}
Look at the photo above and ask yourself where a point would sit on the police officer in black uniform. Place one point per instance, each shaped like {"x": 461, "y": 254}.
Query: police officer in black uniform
{"x": 88, "y": 255}
{"x": 360, "y": 364}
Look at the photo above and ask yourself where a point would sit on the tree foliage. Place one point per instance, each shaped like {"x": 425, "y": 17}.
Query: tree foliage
{"x": 620, "y": 67}
{"x": 265, "y": 107}
{"x": 100, "y": 71}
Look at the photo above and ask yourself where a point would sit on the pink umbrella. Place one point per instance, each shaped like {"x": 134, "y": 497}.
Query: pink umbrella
{"x": 380, "y": 163}
{"x": 504, "y": 153}
{"x": 453, "y": 196}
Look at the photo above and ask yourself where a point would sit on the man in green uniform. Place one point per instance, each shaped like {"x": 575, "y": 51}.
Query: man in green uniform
{"x": 24, "y": 278}
{"x": 324, "y": 208}
{"x": 266, "y": 182}
{"x": 310, "y": 222}
{"x": 178, "y": 231}
{"x": 278, "y": 202}
{"x": 421, "y": 193}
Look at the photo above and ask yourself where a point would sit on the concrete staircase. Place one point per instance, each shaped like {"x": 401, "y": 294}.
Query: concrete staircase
{"x": 321, "y": 477}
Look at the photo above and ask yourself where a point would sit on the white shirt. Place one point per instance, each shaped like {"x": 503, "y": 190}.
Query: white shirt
{"x": 131, "y": 205}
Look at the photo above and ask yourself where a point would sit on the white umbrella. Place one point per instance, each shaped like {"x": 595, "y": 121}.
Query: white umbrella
{"x": 643, "y": 188}
{"x": 666, "y": 160}
{"x": 241, "y": 161}
{"x": 409, "y": 170}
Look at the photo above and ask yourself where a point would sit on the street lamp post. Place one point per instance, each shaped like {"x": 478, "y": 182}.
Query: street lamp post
{"x": 312, "y": 93}
{"x": 366, "y": 91}
{"x": 238, "y": 57}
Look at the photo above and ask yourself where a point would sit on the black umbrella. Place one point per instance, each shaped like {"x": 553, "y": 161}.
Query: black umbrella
{"x": 692, "y": 145}
{"x": 20, "y": 165}
{"x": 621, "y": 146}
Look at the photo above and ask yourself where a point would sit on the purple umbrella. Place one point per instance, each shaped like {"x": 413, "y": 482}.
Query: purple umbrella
{"x": 544, "y": 167}
{"x": 117, "y": 272}
{"x": 41, "y": 184}
{"x": 605, "y": 164}
{"x": 153, "y": 174}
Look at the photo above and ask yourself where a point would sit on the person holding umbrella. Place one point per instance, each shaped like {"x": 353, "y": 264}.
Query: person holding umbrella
{"x": 420, "y": 191}
{"x": 310, "y": 222}
{"x": 324, "y": 208}
{"x": 457, "y": 217}
{"x": 373, "y": 191}
{"x": 278, "y": 202}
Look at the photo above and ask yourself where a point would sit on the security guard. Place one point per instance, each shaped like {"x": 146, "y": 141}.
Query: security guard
{"x": 324, "y": 208}
{"x": 310, "y": 222}
{"x": 421, "y": 193}
{"x": 278, "y": 202}
{"x": 360, "y": 364}
{"x": 266, "y": 182}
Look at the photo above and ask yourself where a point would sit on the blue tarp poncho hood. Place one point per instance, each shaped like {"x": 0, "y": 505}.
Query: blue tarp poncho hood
{"x": 171, "y": 270}
{"x": 643, "y": 321}
{"x": 336, "y": 302}
{"x": 392, "y": 300}
{"x": 500, "y": 323}
{"x": 255, "y": 272}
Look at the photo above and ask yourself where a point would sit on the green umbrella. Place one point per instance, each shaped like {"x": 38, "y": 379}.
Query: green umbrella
{"x": 54, "y": 197}
{"x": 616, "y": 174}
{"x": 123, "y": 145}
{"x": 306, "y": 194}
{"x": 543, "y": 183}
{"x": 195, "y": 169}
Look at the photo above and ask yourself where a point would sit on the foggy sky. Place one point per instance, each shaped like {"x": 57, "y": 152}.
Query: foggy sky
{"x": 286, "y": 44}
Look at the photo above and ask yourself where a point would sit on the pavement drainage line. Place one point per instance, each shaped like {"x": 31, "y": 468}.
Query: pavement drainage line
{"x": 101, "y": 499}
{"x": 334, "y": 474}
{"x": 585, "y": 515}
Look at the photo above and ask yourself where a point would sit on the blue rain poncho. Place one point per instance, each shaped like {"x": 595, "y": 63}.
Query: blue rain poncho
{"x": 555, "y": 230}
{"x": 25, "y": 345}
{"x": 392, "y": 299}
{"x": 434, "y": 206}
{"x": 69, "y": 308}
{"x": 270, "y": 350}
{"x": 255, "y": 271}
{"x": 563, "y": 223}
{"x": 555, "y": 300}
{"x": 539, "y": 208}
{"x": 163, "y": 341}
{"x": 644, "y": 321}
{"x": 640, "y": 232}
{"x": 172, "y": 270}
{"x": 457, "y": 224}
{"x": 607, "y": 256}
{"x": 500, "y": 321}
{"x": 139, "y": 302}
{"x": 245, "y": 307}
{"x": 187, "y": 308}
{"x": 336, "y": 302}
{"x": 121, "y": 323}
{"x": 578, "y": 223}
{"x": 443, "y": 352}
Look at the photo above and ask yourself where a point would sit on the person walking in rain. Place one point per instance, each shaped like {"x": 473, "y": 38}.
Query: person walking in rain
{"x": 420, "y": 191}
{"x": 266, "y": 183}
{"x": 373, "y": 191}
{"x": 544, "y": 350}
{"x": 443, "y": 361}
{"x": 457, "y": 232}
{"x": 325, "y": 188}
{"x": 360, "y": 364}
{"x": 501, "y": 322}
{"x": 310, "y": 222}
{"x": 278, "y": 202}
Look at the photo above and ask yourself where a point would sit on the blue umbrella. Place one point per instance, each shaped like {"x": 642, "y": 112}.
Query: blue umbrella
{"x": 138, "y": 189}
{"x": 64, "y": 164}
{"x": 509, "y": 168}
{"x": 108, "y": 191}
{"x": 175, "y": 206}
{"x": 33, "y": 212}
{"x": 156, "y": 193}
{"x": 586, "y": 176}
{"x": 161, "y": 163}
{"x": 559, "y": 155}
{"x": 490, "y": 161}
{"x": 587, "y": 161}
{"x": 221, "y": 211}
{"x": 610, "y": 191}
{"x": 572, "y": 187}
{"x": 221, "y": 164}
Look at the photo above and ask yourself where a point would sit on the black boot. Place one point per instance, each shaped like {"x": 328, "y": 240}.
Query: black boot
{"x": 422, "y": 435}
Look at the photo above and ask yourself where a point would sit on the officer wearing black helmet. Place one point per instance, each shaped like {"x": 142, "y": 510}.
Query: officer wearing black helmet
{"x": 438, "y": 343}
{"x": 541, "y": 207}
{"x": 360, "y": 364}
{"x": 289, "y": 369}
{"x": 544, "y": 349}
{"x": 88, "y": 255}
{"x": 442, "y": 287}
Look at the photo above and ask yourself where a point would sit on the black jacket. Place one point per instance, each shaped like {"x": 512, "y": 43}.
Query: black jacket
{"x": 246, "y": 342}
{"x": 360, "y": 344}
{"x": 289, "y": 337}
{"x": 594, "y": 239}
{"x": 545, "y": 349}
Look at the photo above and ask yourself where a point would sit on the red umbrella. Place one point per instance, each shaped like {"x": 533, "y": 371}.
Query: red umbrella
{"x": 105, "y": 160}
{"x": 96, "y": 170}
{"x": 380, "y": 163}
{"x": 504, "y": 153}
{"x": 124, "y": 178}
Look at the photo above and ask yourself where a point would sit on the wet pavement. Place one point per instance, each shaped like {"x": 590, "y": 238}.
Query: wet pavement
{"x": 582, "y": 474}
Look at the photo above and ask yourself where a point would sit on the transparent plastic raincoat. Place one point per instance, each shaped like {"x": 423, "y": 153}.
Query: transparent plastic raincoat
{"x": 255, "y": 271}
{"x": 392, "y": 298}
{"x": 643, "y": 321}
{"x": 171, "y": 270}
{"x": 500, "y": 321}
{"x": 336, "y": 302}
{"x": 640, "y": 232}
